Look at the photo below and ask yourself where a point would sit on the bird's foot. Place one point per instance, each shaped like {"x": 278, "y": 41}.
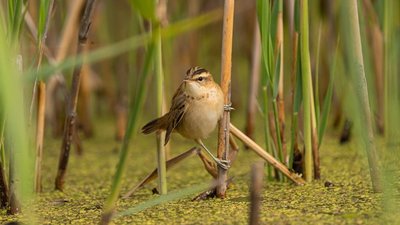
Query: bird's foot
{"x": 228, "y": 107}
{"x": 224, "y": 164}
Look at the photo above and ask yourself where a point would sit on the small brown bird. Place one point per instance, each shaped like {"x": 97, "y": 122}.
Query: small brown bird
{"x": 196, "y": 108}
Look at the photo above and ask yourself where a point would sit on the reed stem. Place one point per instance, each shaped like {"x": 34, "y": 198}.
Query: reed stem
{"x": 3, "y": 182}
{"x": 360, "y": 84}
{"x": 294, "y": 80}
{"x": 137, "y": 104}
{"x": 306, "y": 86}
{"x": 226, "y": 64}
{"x": 70, "y": 121}
{"x": 161, "y": 158}
{"x": 280, "y": 101}
{"x": 255, "y": 192}
{"x": 41, "y": 103}
{"x": 254, "y": 82}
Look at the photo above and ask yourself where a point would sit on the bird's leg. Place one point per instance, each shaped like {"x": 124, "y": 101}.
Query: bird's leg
{"x": 220, "y": 162}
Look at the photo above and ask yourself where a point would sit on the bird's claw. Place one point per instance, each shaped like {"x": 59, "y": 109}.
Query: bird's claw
{"x": 224, "y": 164}
{"x": 228, "y": 107}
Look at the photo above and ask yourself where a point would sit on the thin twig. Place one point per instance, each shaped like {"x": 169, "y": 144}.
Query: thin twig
{"x": 154, "y": 174}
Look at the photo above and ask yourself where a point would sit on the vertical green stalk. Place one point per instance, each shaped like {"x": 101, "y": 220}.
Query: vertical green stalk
{"x": 297, "y": 99}
{"x": 391, "y": 155}
{"x": 268, "y": 22}
{"x": 3, "y": 180}
{"x": 162, "y": 170}
{"x": 328, "y": 98}
{"x": 280, "y": 112}
{"x": 277, "y": 129}
{"x": 13, "y": 112}
{"x": 316, "y": 92}
{"x": 132, "y": 127}
{"x": 391, "y": 77}
{"x": 306, "y": 81}
{"x": 16, "y": 18}
{"x": 356, "y": 65}
{"x": 296, "y": 83}
{"x": 267, "y": 136}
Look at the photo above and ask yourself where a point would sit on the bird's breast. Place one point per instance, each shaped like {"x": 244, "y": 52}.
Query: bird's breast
{"x": 203, "y": 114}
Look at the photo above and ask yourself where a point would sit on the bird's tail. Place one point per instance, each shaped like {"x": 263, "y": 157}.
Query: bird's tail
{"x": 156, "y": 124}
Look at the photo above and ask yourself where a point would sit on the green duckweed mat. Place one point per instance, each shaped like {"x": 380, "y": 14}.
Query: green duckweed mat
{"x": 347, "y": 200}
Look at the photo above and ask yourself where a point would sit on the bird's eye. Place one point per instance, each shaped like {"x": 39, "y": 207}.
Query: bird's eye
{"x": 200, "y": 78}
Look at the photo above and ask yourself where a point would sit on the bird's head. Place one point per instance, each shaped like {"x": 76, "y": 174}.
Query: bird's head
{"x": 198, "y": 80}
{"x": 197, "y": 76}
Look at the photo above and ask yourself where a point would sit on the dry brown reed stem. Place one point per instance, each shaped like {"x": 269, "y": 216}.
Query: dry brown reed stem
{"x": 68, "y": 32}
{"x": 226, "y": 64}
{"x": 41, "y": 107}
{"x": 33, "y": 9}
{"x": 154, "y": 174}
{"x": 266, "y": 156}
{"x": 257, "y": 173}
{"x": 67, "y": 35}
{"x": 375, "y": 38}
{"x": 73, "y": 99}
{"x": 234, "y": 148}
{"x": 280, "y": 97}
{"x": 254, "y": 82}
{"x": 85, "y": 121}
{"x": 289, "y": 4}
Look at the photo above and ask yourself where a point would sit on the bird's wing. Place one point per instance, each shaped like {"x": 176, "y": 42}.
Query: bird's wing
{"x": 177, "y": 111}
